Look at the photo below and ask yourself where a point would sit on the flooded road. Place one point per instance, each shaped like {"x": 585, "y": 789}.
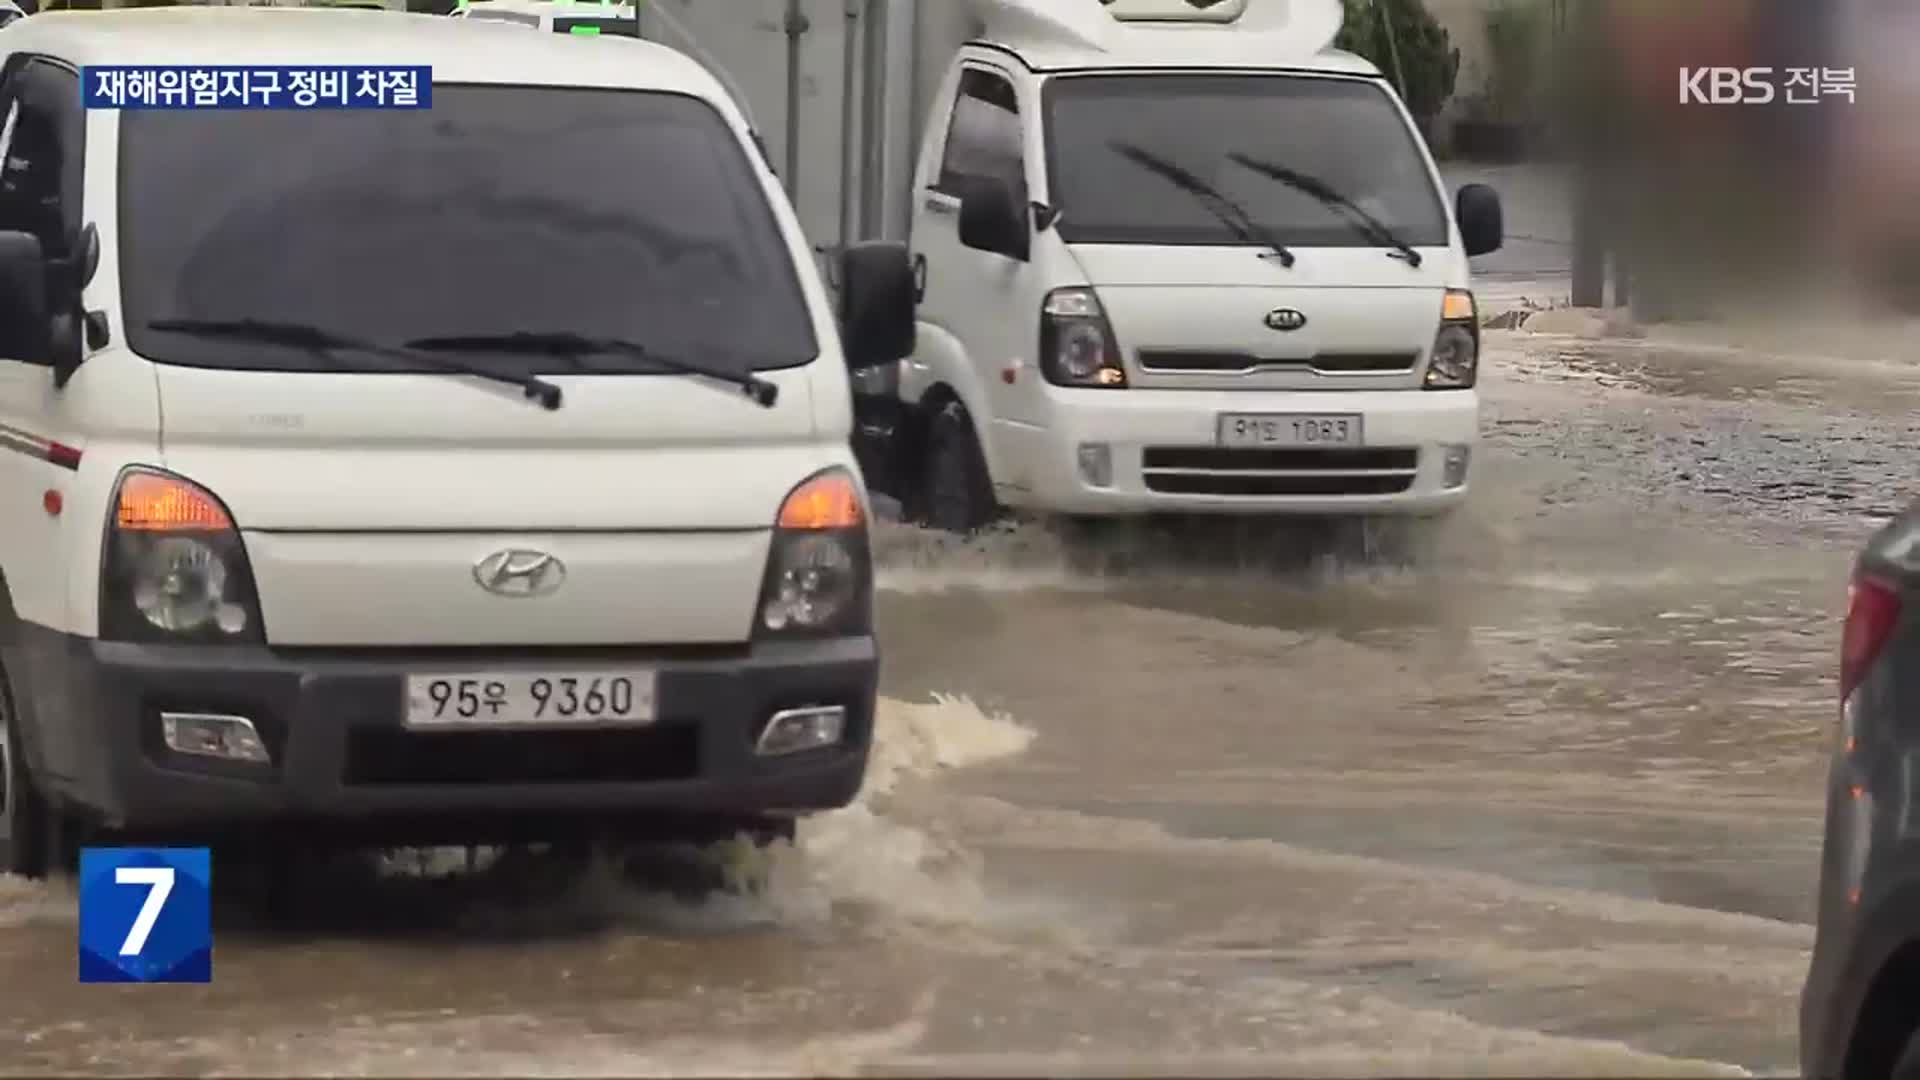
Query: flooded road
{"x": 1544, "y": 803}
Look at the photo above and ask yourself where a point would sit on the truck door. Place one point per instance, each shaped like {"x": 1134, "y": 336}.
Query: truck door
{"x": 974, "y": 312}
{"x": 43, "y": 133}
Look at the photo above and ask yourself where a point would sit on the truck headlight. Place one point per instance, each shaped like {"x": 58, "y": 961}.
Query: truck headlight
{"x": 1455, "y": 363}
{"x": 1077, "y": 347}
{"x": 174, "y": 568}
{"x": 819, "y": 579}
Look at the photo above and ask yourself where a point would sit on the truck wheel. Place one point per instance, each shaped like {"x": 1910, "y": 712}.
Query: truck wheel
{"x": 24, "y": 819}
{"x": 958, "y": 495}
{"x": 1908, "y": 1067}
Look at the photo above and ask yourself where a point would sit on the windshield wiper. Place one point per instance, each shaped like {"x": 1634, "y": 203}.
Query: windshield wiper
{"x": 1369, "y": 226}
{"x": 314, "y": 339}
{"x": 1230, "y": 213}
{"x": 578, "y": 346}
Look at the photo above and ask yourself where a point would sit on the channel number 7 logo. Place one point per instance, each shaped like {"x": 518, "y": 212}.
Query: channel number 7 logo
{"x": 146, "y": 915}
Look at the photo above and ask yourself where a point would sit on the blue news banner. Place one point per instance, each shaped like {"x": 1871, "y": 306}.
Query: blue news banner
{"x": 201, "y": 86}
{"x": 146, "y": 915}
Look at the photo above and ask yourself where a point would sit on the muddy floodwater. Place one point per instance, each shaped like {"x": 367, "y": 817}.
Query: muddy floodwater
{"x": 1545, "y": 802}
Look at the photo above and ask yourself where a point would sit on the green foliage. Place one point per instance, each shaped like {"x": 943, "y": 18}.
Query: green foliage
{"x": 1517, "y": 32}
{"x": 1427, "y": 60}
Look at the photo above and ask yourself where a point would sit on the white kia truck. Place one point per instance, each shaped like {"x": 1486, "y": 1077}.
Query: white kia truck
{"x": 1182, "y": 258}
{"x": 368, "y": 468}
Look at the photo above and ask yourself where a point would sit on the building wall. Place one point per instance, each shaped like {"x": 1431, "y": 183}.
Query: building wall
{"x": 1465, "y": 23}
{"x": 747, "y": 40}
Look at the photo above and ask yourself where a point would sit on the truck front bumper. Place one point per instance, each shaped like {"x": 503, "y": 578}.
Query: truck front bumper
{"x": 1156, "y": 451}
{"x": 331, "y": 722}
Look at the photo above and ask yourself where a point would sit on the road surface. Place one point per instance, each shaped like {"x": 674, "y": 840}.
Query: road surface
{"x": 1544, "y": 804}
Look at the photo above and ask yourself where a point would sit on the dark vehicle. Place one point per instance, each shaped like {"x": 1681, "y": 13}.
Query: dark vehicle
{"x": 1860, "y": 1010}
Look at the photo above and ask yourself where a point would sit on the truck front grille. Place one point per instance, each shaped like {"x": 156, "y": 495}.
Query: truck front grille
{"x": 383, "y": 756}
{"x": 1209, "y": 362}
{"x": 1206, "y": 470}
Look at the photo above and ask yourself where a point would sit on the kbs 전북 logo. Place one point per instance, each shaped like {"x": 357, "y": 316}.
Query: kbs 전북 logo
{"x": 146, "y": 915}
{"x": 1764, "y": 85}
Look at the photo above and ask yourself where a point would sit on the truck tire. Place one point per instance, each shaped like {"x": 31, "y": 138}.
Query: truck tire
{"x": 1908, "y": 1067}
{"x": 957, "y": 494}
{"x": 24, "y": 817}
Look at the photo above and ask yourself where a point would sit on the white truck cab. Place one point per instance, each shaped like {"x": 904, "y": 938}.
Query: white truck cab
{"x": 365, "y": 467}
{"x": 1180, "y": 257}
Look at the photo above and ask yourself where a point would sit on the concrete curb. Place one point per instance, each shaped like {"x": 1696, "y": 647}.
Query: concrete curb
{"x": 1526, "y": 316}
{"x": 1831, "y": 336}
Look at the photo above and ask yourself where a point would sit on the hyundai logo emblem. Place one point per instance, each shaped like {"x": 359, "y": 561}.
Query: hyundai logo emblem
{"x": 519, "y": 572}
{"x": 1285, "y": 319}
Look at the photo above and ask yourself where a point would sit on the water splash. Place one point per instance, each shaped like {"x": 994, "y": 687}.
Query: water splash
{"x": 1031, "y": 554}
{"x": 872, "y": 857}
{"x": 34, "y": 903}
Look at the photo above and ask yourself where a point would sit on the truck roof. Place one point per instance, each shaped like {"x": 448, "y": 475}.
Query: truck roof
{"x": 1084, "y": 35}
{"x": 566, "y": 9}
{"x": 458, "y": 50}
{"x": 1185, "y": 55}
{"x": 586, "y": 6}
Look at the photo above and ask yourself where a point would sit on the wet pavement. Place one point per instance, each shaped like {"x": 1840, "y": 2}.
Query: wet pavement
{"x": 1545, "y": 802}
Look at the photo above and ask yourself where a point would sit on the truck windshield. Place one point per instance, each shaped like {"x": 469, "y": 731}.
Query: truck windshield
{"x": 1344, "y": 133}
{"x": 610, "y": 214}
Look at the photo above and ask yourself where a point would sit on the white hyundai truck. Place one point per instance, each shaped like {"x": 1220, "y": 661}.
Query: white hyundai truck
{"x": 372, "y": 474}
{"x": 1179, "y": 257}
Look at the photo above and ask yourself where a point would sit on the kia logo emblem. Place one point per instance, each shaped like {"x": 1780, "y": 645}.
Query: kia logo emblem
{"x": 1285, "y": 319}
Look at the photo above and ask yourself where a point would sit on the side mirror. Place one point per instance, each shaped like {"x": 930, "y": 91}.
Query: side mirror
{"x": 1483, "y": 224}
{"x": 89, "y": 255}
{"x": 26, "y": 324}
{"x": 992, "y": 219}
{"x": 877, "y": 319}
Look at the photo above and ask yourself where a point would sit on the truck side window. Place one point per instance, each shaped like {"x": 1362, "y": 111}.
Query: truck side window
{"x": 984, "y": 137}
{"x": 40, "y": 165}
